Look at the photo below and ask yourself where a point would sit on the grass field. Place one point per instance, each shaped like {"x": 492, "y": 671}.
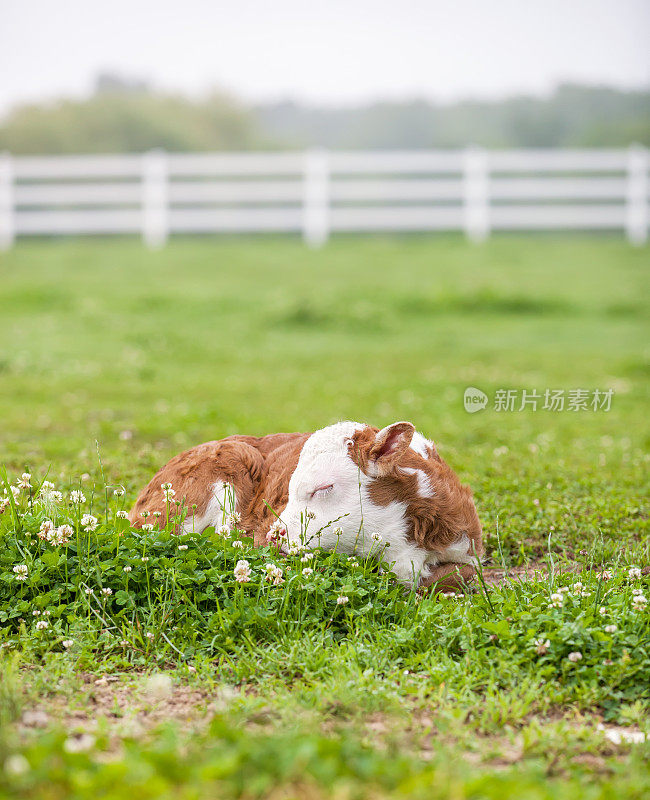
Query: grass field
{"x": 186, "y": 684}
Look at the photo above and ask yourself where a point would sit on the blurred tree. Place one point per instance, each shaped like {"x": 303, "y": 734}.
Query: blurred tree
{"x": 572, "y": 116}
{"x": 127, "y": 116}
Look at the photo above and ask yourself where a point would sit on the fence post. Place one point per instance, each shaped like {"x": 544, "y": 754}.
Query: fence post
{"x": 7, "y": 211}
{"x": 315, "y": 221}
{"x": 636, "y": 195}
{"x": 476, "y": 195}
{"x": 155, "y": 200}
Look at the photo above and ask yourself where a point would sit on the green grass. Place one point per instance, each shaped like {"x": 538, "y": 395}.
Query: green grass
{"x": 113, "y": 359}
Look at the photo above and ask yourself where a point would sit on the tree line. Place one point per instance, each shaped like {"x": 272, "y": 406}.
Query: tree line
{"x": 130, "y": 116}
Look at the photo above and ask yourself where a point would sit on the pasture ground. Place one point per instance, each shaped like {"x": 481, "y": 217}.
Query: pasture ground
{"x": 182, "y": 683}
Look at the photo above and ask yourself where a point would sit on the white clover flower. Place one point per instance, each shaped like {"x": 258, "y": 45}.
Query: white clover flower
{"x": 307, "y": 557}
{"x": 67, "y": 643}
{"x": 144, "y": 559}
{"x": 242, "y": 571}
{"x": 158, "y": 686}
{"x": 307, "y": 571}
{"x": 376, "y": 537}
{"x": 122, "y": 515}
{"x": 577, "y": 587}
{"x": 165, "y": 486}
{"x": 234, "y": 517}
{"x": 21, "y": 572}
{"x": 77, "y": 497}
{"x": 606, "y": 575}
{"x": 24, "y": 481}
{"x": 639, "y": 602}
{"x": 338, "y": 532}
{"x": 127, "y": 568}
{"x": 168, "y": 495}
{"x": 602, "y": 611}
{"x": 557, "y": 600}
{"x": 637, "y": 591}
{"x": 634, "y": 573}
{"x": 150, "y": 635}
{"x": 224, "y": 530}
{"x": 341, "y": 600}
{"x": 36, "y": 613}
{"x": 119, "y": 492}
{"x": 144, "y": 514}
{"x": 182, "y": 547}
{"x": 61, "y": 535}
{"x": 88, "y": 590}
{"x": 238, "y": 544}
{"x": 563, "y": 589}
{"x": 157, "y": 514}
{"x": 42, "y": 624}
{"x": 4, "y": 502}
{"x": 16, "y": 765}
{"x": 276, "y": 531}
{"x": 274, "y": 574}
{"x": 542, "y": 645}
{"x": 79, "y": 744}
{"x": 48, "y": 494}
{"x": 611, "y": 628}
{"x": 46, "y": 530}
{"x": 15, "y": 491}
{"x": 88, "y": 522}
{"x": 575, "y": 656}
{"x": 107, "y": 592}
{"x": 147, "y": 527}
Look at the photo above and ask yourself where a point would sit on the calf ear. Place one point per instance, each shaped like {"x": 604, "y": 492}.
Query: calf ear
{"x": 389, "y": 446}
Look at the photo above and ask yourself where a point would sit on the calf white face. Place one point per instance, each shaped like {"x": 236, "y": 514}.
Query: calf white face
{"x": 329, "y": 504}
{"x": 324, "y": 491}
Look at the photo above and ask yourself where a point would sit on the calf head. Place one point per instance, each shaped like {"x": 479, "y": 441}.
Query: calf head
{"x": 360, "y": 489}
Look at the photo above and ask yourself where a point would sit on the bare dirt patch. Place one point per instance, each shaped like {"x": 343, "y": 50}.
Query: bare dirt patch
{"x": 495, "y": 576}
{"x": 129, "y": 705}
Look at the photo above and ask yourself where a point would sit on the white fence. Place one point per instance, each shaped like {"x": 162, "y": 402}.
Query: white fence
{"x": 316, "y": 193}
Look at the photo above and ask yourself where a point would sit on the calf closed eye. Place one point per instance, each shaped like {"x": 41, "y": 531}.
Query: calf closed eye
{"x": 322, "y": 490}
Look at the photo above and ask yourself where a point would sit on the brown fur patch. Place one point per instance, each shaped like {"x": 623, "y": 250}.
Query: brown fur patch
{"x": 434, "y": 522}
{"x": 259, "y": 469}
{"x": 447, "y": 577}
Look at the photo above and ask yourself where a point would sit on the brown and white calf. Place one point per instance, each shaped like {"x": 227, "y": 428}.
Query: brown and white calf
{"x": 341, "y": 487}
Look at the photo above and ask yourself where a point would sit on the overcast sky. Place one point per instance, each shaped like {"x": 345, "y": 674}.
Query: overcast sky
{"x": 331, "y": 51}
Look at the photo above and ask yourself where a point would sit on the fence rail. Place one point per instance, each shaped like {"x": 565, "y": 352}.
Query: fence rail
{"x": 316, "y": 193}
